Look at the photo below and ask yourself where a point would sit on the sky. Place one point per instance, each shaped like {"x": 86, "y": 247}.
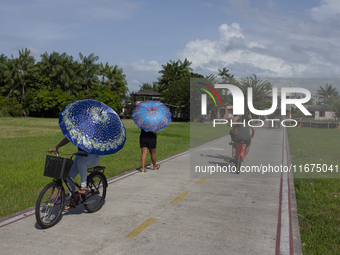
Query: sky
{"x": 269, "y": 38}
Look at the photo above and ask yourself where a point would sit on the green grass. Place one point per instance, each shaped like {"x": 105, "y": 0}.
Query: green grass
{"x": 24, "y": 142}
{"x": 201, "y": 133}
{"x": 318, "y": 199}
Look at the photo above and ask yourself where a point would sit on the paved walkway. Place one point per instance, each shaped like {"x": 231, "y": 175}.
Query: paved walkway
{"x": 170, "y": 211}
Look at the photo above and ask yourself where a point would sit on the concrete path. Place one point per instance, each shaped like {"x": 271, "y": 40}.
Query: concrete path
{"x": 170, "y": 211}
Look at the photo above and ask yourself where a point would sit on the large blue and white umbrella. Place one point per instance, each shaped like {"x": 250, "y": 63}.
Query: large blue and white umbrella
{"x": 151, "y": 116}
{"x": 92, "y": 126}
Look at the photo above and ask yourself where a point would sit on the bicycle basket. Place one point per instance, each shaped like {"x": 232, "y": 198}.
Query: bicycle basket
{"x": 57, "y": 167}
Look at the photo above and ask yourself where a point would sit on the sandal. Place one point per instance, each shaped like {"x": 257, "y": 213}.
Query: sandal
{"x": 71, "y": 205}
{"x": 143, "y": 171}
{"x": 82, "y": 191}
{"x": 157, "y": 167}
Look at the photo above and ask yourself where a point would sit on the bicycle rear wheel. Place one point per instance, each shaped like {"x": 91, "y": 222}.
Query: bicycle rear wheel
{"x": 97, "y": 185}
{"x": 50, "y": 205}
{"x": 238, "y": 164}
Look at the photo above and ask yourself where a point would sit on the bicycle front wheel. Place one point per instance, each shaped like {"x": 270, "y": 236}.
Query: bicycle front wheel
{"x": 50, "y": 205}
{"x": 97, "y": 185}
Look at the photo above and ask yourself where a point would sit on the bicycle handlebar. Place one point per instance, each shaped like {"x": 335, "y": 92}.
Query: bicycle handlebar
{"x": 54, "y": 151}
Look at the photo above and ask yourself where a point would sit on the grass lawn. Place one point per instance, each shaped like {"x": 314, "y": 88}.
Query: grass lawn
{"x": 24, "y": 142}
{"x": 318, "y": 199}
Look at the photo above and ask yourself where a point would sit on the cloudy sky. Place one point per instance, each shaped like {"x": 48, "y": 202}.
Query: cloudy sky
{"x": 269, "y": 38}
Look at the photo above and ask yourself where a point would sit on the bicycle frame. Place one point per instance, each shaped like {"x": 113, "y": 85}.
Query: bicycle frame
{"x": 75, "y": 194}
{"x": 240, "y": 150}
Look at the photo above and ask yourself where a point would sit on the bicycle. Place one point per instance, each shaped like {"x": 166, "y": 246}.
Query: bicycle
{"x": 51, "y": 201}
{"x": 241, "y": 147}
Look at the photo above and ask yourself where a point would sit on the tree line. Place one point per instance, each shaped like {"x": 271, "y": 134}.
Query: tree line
{"x": 42, "y": 88}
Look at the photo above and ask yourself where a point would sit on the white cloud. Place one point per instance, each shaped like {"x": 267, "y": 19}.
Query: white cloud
{"x": 231, "y": 50}
{"x": 141, "y": 72}
{"x": 255, "y": 44}
{"x": 34, "y": 52}
{"x": 228, "y": 32}
{"x": 142, "y": 66}
{"x": 326, "y": 10}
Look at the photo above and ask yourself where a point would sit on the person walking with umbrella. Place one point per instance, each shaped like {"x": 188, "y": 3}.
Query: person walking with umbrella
{"x": 148, "y": 141}
{"x": 150, "y": 117}
{"x": 96, "y": 130}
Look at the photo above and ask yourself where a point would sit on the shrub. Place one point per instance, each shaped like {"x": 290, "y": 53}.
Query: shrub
{"x": 10, "y": 107}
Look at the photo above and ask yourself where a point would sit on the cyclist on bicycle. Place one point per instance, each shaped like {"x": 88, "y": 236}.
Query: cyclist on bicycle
{"x": 242, "y": 134}
{"x": 80, "y": 165}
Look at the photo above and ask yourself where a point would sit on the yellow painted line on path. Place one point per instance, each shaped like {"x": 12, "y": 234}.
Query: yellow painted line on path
{"x": 179, "y": 198}
{"x": 140, "y": 228}
{"x": 201, "y": 180}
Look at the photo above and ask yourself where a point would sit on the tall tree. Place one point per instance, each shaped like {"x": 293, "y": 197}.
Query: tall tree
{"x": 26, "y": 68}
{"x": 65, "y": 73}
{"x": 3, "y": 66}
{"x": 224, "y": 73}
{"x": 11, "y": 79}
{"x": 261, "y": 88}
{"x": 48, "y": 67}
{"x": 60, "y": 69}
{"x": 114, "y": 78}
{"x": 173, "y": 71}
{"x": 102, "y": 71}
{"x": 3, "y": 63}
{"x": 328, "y": 93}
{"x": 147, "y": 86}
{"x": 90, "y": 70}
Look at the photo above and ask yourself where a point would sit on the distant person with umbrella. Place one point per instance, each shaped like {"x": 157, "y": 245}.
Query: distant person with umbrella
{"x": 150, "y": 117}
{"x": 96, "y": 130}
{"x": 148, "y": 141}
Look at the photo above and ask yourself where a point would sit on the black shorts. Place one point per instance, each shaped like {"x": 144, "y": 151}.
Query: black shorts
{"x": 149, "y": 143}
{"x": 148, "y": 140}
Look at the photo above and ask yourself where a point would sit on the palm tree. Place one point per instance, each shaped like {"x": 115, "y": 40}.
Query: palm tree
{"x": 225, "y": 75}
{"x": 3, "y": 64}
{"x": 26, "y": 68}
{"x": 113, "y": 77}
{"x": 48, "y": 64}
{"x": 17, "y": 73}
{"x": 328, "y": 91}
{"x": 173, "y": 71}
{"x": 66, "y": 73}
{"x": 260, "y": 89}
{"x": 102, "y": 71}
{"x": 186, "y": 65}
{"x": 90, "y": 70}
{"x": 11, "y": 79}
